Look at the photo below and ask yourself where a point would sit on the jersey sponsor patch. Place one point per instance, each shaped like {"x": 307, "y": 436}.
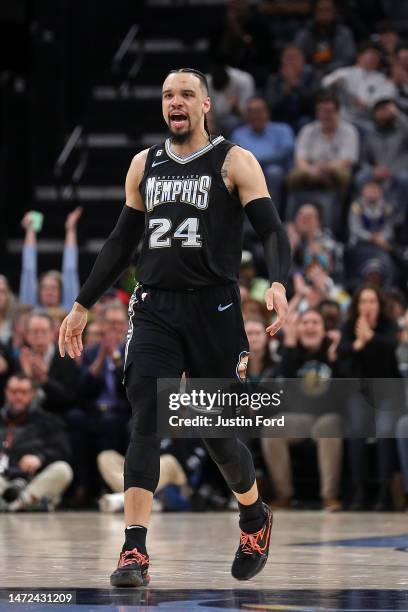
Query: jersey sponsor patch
{"x": 193, "y": 191}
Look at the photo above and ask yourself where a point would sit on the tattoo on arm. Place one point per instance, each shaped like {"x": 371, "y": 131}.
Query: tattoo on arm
{"x": 225, "y": 172}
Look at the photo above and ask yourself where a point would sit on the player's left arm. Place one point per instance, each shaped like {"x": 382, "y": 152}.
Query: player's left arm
{"x": 245, "y": 174}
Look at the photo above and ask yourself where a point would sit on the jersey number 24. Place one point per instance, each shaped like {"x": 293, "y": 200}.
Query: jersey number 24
{"x": 187, "y": 232}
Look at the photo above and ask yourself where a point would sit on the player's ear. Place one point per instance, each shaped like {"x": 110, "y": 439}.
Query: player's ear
{"x": 207, "y": 104}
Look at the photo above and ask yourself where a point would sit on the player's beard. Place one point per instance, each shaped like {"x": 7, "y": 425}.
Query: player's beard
{"x": 180, "y": 137}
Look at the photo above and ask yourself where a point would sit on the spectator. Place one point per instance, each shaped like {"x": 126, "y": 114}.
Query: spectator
{"x": 93, "y": 334}
{"x": 19, "y": 328}
{"x": 361, "y": 86}
{"x": 402, "y": 440}
{"x": 388, "y": 38}
{"x": 331, "y": 313}
{"x": 326, "y": 151}
{"x": 230, "y": 90}
{"x": 326, "y": 43}
{"x": 291, "y": 92}
{"x": 399, "y": 76}
{"x": 7, "y": 368}
{"x": 101, "y": 421}
{"x": 308, "y": 355}
{"x": 255, "y": 285}
{"x": 367, "y": 350}
{"x": 260, "y": 364}
{"x": 54, "y": 289}
{"x": 271, "y": 143}
{"x": 386, "y": 154}
{"x": 307, "y": 236}
{"x": 255, "y": 309}
{"x": 171, "y": 488}
{"x": 243, "y": 40}
{"x": 34, "y": 468}
{"x": 371, "y": 217}
{"x": 6, "y": 310}
{"x": 316, "y": 285}
{"x": 56, "y": 377}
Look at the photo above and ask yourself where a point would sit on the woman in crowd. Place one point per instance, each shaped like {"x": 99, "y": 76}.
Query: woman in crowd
{"x": 367, "y": 351}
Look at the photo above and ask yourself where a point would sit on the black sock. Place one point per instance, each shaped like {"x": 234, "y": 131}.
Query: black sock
{"x": 135, "y": 537}
{"x": 252, "y": 517}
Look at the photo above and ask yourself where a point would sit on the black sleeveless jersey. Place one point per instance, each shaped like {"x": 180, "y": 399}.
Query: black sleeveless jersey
{"x": 193, "y": 232}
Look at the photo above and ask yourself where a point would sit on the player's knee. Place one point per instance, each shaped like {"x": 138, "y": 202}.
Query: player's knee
{"x": 142, "y": 462}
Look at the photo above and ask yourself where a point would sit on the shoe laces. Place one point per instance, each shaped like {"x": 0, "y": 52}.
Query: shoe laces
{"x": 127, "y": 557}
{"x": 249, "y": 541}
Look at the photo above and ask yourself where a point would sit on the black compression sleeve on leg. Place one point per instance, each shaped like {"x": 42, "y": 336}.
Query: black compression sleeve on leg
{"x": 114, "y": 256}
{"x": 265, "y": 220}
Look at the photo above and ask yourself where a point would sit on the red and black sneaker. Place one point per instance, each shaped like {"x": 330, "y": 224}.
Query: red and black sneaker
{"x": 132, "y": 570}
{"x": 253, "y": 550}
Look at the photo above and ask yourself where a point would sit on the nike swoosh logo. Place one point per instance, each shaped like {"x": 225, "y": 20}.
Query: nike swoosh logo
{"x": 154, "y": 164}
{"x": 221, "y": 307}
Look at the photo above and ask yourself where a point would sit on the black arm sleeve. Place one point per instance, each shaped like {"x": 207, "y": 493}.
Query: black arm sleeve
{"x": 114, "y": 257}
{"x": 265, "y": 220}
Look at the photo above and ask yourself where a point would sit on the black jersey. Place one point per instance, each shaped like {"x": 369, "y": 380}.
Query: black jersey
{"x": 193, "y": 233}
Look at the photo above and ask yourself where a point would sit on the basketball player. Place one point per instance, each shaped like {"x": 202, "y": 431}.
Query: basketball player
{"x": 187, "y": 197}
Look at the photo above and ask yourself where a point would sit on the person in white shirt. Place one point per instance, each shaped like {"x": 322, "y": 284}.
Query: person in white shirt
{"x": 326, "y": 150}
{"x": 360, "y": 86}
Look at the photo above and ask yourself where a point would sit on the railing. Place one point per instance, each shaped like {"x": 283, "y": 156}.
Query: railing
{"x": 68, "y": 186}
{"x": 67, "y": 182}
{"x": 126, "y": 48}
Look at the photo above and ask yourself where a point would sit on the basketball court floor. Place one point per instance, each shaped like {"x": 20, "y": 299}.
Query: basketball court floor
{"x": 317, "y": 562}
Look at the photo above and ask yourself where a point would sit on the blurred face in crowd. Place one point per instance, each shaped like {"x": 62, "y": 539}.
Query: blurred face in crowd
{"x": 40, "y": 334}
{"x": 327, "y": 114}
{"x": 246, "y": 273}
{"x": 369, "y": 59}
{"x": 184, "y": 104}
{"x": 369, "y": 306}
{"x": 115, "y": 323}
{"x": 384, "y": 114}
{"x": 388, "y": 40}
{"x": 257, "y": 338}
{"x": 257, "y": 115}
{"x": 325, "y": 13}
{"x": 293, "y": 57}
{"x": 331, "y": 316}
{"x": 50, "y": 294}
{"x": 311, "y": 330}
{"x": 4, "y": 295}
{"x": 252, "y": 309}
{"x": 93, "y": 334}
{"x": 402, "y": 57}
{"x": 19, "y": 393}
{"x": 372, "y": 192}
{"x": 307, "y": 221}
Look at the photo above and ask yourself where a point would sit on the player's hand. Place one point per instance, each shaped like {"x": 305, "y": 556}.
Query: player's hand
{"x": 275, "y": 299}
{"x": 70, "y": 335}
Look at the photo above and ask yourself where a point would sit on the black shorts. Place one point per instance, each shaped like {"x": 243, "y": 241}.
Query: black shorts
{"x": 199, "y": 332}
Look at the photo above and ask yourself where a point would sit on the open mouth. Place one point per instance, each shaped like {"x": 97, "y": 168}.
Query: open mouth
{"x": 178, "y": 120}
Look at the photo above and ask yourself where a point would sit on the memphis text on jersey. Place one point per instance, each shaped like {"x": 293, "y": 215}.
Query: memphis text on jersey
{"x": 193, "y": 190}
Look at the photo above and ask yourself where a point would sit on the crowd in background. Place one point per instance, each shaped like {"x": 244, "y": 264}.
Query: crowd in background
{"x": 329, "y": 126}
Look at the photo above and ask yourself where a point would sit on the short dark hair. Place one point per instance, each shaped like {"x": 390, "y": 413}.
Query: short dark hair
{"x": 326, "y": 96}
{"x": 316, "y": 205}
{"x": 368, "y": 45}
{"x": 20, "y": 376}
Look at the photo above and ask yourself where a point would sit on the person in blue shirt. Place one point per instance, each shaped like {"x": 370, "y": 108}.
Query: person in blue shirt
{"x": 52, "y": 288}
{"x": 272, "y": 144}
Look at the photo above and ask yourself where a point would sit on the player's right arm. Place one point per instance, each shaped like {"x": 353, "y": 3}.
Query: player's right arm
{"x": 112, "y": 260}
